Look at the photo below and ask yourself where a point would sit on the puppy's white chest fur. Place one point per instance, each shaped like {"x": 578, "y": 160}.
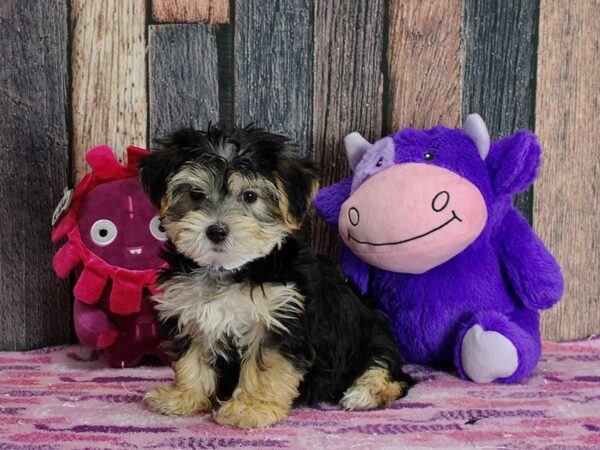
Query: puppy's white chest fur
{"x": 216, "y": 313}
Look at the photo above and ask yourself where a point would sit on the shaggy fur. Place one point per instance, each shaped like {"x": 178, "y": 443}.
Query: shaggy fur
{"x": 251, "y": 317}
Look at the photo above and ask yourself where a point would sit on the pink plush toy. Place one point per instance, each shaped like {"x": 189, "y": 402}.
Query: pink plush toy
{"x": 113, "y": 238}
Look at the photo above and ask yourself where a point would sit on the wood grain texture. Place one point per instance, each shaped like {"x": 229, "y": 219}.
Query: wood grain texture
{"x": 347, "y": 90}
{"x": 34, "y": 169}
{"x": 566, "y": 201}
{"x": 184, "y": 89}
{"x": 273, "y": 68}
{"x": 424, "y": 64}
{"x": 210, "y": 11}
{"x": 499, "y": 46}
{"x": 109, "y": 77}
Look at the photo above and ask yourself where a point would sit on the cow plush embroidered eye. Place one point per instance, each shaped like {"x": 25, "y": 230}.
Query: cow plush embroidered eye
{"x": 379, "y": 162}
{"x": 103, "y": 232}
{"x": 157, "y": 229}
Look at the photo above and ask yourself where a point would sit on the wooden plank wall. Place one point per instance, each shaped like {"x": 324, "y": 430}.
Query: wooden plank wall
{"x": 566, "y": 197}
{"x": 312, "y": 69}
{"x": 184, "y": 87}
{"x": 499, "y": 71}
{"x": 424, "y": 64}
{"x": 273, "y": 67}
{"x": 34, "y": 169}
{"x": 109, "y": 77}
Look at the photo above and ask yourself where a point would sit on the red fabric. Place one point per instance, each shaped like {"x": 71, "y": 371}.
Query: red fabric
{"x": 105, "y": 168}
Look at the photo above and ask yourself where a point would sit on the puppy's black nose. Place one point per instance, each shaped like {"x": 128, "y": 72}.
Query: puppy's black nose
{"x": 217, "y": 232}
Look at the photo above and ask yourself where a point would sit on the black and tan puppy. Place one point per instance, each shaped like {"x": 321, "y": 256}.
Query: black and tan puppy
{"x": 255, "y": 322}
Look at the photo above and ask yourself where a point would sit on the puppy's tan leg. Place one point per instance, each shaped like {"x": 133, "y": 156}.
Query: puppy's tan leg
{"x": 263, "y": 396}
{"x": 190, "y": 392}
{"x": 373, "y": 389}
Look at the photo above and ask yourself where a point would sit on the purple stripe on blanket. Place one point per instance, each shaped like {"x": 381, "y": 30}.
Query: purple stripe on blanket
{"x": 105, "y": 398}
{"x": 589, "y": 378}
{"x": 487, "y": 413}
{"x": 112, "y": 429}
{"x": 397, "y": 428}
{"x": 11, "y": 411}
{"x": 18, "y": 367}
{"x": 410, "y": 405}
{"x": 214, "y": 443}
{"x": 120, "y": 379}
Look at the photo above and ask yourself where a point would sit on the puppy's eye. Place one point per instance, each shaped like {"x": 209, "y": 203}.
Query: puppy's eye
{"x": 249, "y": 196}
{"x": 197, "y": 195}
{"x": 379, "y": 162}
{"x": 428, "y": 156}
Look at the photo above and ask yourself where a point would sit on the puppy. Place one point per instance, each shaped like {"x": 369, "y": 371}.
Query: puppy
{"x": 255, "y": 323}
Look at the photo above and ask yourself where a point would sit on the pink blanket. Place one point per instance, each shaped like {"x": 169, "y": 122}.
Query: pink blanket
{"x": 66, "y": 397}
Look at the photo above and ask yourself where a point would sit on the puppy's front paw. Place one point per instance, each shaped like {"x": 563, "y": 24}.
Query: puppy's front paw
{"x": 247, "y": 412}
{"x": 171, "y": 401}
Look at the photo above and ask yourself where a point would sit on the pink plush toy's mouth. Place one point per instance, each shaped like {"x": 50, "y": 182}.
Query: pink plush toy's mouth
{"x": 454, "y": 217}
{"x": 135, "y": 250}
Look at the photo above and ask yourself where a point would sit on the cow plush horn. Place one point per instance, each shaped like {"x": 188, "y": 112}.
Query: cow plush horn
{"x": 475, "y": 128}
{"x": 356, "y": 147}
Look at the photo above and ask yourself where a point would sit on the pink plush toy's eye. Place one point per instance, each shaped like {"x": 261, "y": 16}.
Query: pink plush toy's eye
{"x": 157, "y": 229}
{"x": 103, "y": 232}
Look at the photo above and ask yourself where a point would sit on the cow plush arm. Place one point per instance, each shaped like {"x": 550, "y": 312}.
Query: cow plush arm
{"x": 329, "y": 200}
{"x": 532, "y": 270}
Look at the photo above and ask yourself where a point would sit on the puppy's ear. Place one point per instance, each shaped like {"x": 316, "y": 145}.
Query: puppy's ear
{"x": 154, "y": 171}
{"x": 297, "y": 182}
{"x": 156, "y": 167}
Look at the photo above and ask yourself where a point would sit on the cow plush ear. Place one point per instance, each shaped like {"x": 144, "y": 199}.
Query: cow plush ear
{"x": 514, "y": 161}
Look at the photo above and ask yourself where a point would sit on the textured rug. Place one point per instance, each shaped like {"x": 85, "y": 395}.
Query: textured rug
{"x": 66, "y": 397}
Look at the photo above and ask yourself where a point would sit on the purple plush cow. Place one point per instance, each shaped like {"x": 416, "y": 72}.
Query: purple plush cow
{"x": 429, "y": 230}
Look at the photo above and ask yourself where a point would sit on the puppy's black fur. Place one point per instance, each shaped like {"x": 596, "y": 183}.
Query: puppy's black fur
{"x": 335, "y": 340}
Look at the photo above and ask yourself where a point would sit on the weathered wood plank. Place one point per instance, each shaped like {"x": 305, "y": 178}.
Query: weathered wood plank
{"x": 499, "y": 44}
{"x": 424, "y": 64}
{"x": 210, "y": 11}
{"x": 34, "y": 169}
{"x": 184, "y": 89}
{"x": 109, "y": 76}
{"x": 273, "y": 68}
{"x": 566, "y": 201}
{"x": 347, "y": 90}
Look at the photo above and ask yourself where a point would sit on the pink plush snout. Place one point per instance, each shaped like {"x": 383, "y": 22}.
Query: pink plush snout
{"x": 412, "y": 217}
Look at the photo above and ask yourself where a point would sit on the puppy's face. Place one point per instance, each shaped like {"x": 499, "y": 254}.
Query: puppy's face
{"x": 227, "y": 198}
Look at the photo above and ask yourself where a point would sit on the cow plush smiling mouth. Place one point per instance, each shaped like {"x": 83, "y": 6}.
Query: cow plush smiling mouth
{"x": 429, "y": 230}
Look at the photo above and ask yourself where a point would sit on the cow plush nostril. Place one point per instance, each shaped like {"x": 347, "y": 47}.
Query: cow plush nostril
{"x": 440, "y": 201}
{"x": 353, "y": 216}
